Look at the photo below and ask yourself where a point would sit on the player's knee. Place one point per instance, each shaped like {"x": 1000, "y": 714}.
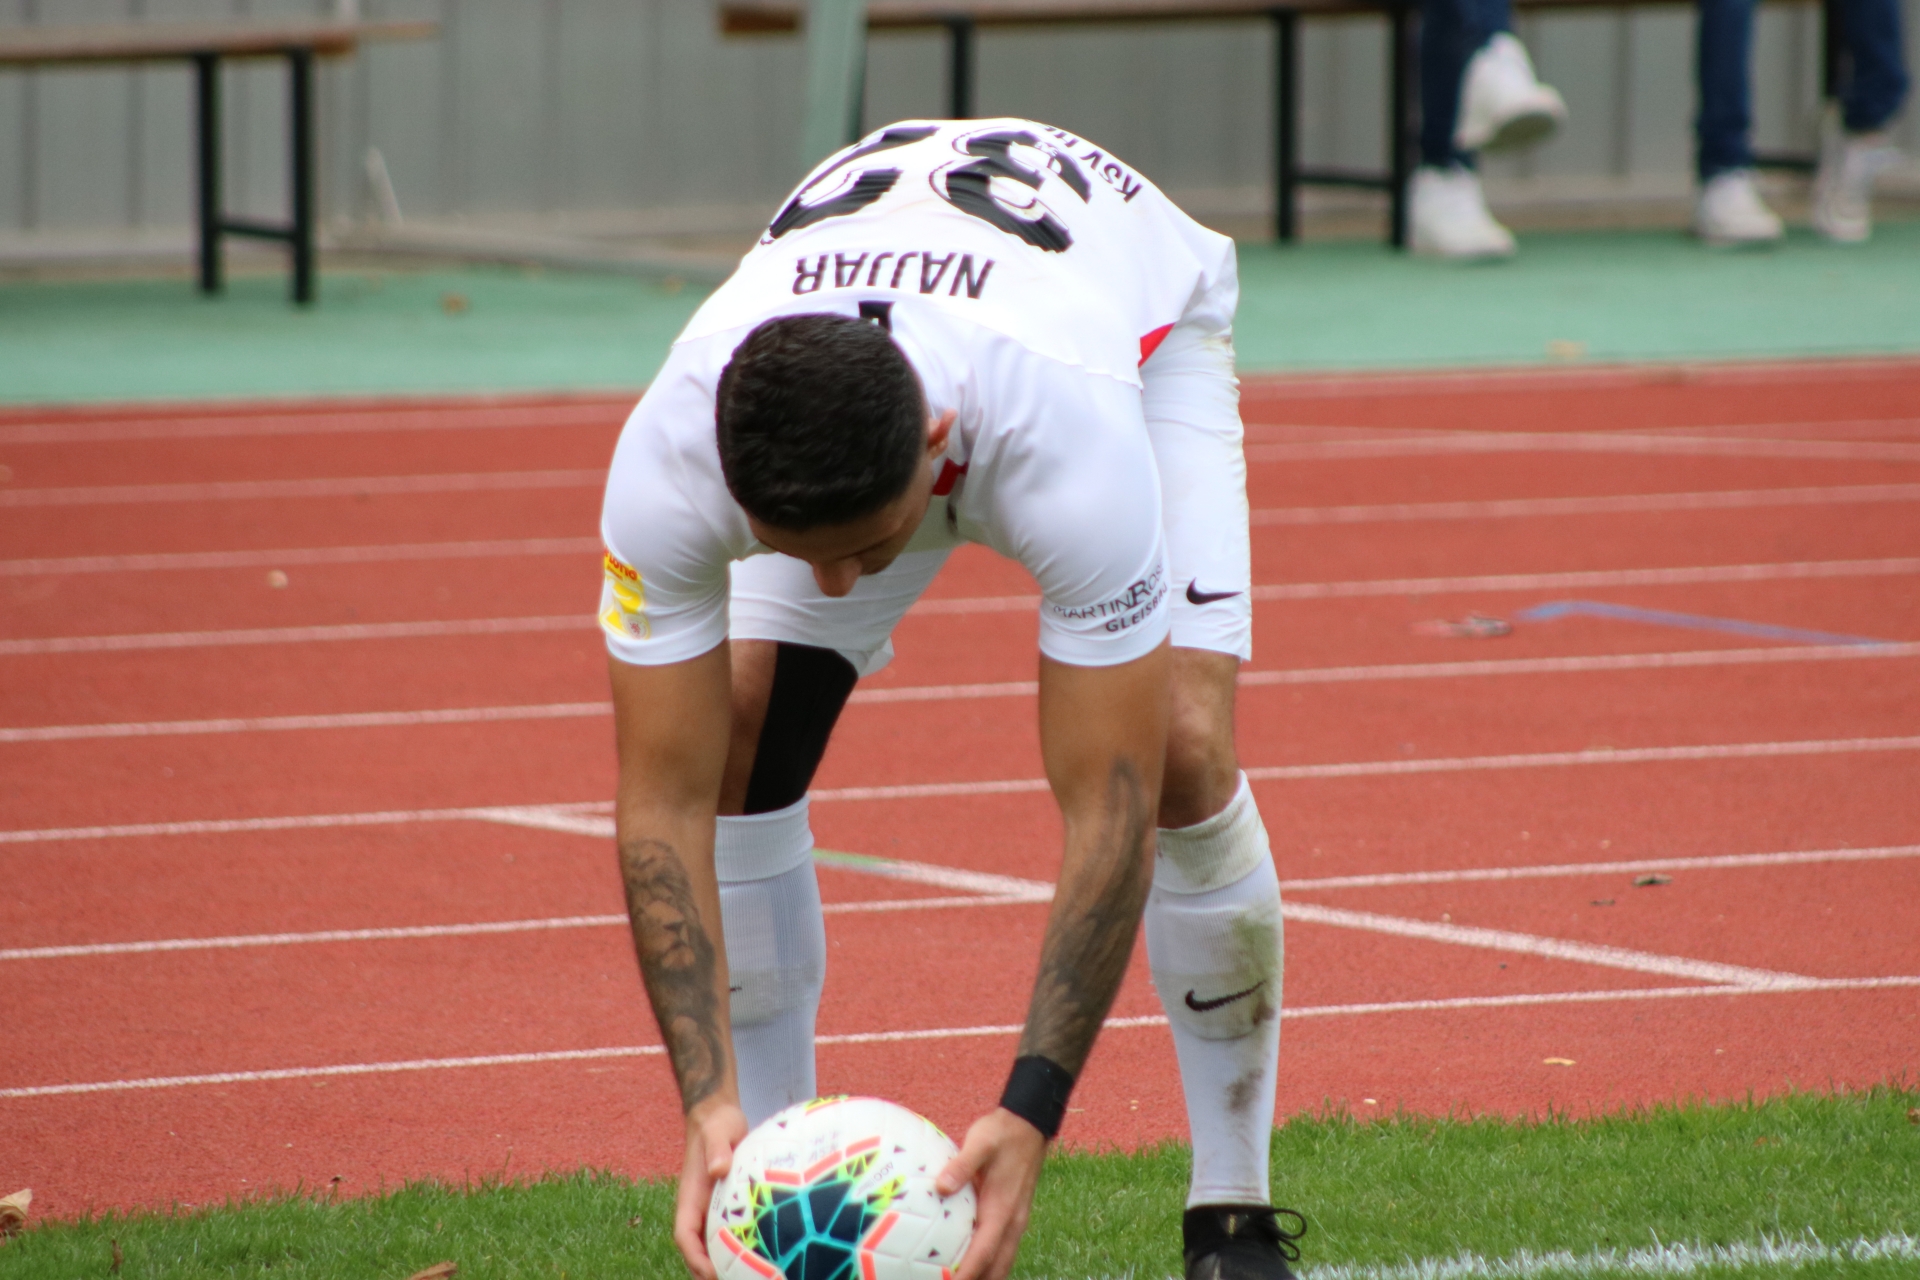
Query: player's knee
{"x": 810, "y": 686}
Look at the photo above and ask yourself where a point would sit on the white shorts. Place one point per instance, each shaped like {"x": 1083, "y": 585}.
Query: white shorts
{"x": 1192, "y": 406}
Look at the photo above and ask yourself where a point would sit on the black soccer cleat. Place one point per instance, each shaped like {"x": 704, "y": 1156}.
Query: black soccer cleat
{"x": 1240, "y": 1242}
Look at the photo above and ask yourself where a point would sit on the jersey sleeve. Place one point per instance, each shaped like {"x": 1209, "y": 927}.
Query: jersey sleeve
{"x": 668, "y": 524}
{"x": 1071, "y": 491}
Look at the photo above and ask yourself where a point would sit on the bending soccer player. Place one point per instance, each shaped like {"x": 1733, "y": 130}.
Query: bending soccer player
{"x": 966, "y": 331}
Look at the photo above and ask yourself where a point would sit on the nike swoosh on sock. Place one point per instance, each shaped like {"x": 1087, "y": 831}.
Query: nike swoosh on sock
{"x": 1203, "y": 1006}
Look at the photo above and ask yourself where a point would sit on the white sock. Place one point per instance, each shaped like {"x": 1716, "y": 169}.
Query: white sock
{"x": 776, "y": 953}
{"x": 1214, "y": 945}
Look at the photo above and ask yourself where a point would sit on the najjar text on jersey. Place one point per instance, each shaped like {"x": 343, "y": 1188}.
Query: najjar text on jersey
{"x": 810, "y": 273}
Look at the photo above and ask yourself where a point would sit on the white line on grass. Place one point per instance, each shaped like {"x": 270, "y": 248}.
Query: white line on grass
{"x": 951, "y": 1033}
{"x": 344, "y": 487}
{"x": 1675, "y": 1259}
{"x": 1518, "y": 508}
{"x": 955, "y": 692}
{"x": 295, "y": 557}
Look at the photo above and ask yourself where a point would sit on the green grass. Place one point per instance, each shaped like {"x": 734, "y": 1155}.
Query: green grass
{"x": 1837, "y": 1168}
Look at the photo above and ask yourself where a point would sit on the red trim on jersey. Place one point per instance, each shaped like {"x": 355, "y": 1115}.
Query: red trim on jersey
{"x": 1151, "y": 342}
{"x": 950, "y": 473}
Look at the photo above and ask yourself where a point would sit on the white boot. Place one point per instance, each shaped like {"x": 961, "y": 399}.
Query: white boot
{"x": 1503, "y": 105}
{"x": 1731, "y": 212}
{"x": 1843, "y": 188}
{"x": 1449, "y": 216}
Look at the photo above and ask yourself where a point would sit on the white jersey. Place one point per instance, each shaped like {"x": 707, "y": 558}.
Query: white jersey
{"x": 1026, "y": 275}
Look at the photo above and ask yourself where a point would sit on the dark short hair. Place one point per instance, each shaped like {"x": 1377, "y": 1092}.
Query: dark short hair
{"x": 820, "y": 421}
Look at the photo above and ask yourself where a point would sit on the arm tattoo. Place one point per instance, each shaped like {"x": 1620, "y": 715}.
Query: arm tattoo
{"x": 677, "y": 964}
{"x": 1090, "y": 936}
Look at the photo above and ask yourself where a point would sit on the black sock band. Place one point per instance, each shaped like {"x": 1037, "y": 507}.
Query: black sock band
{"x": 1037, "y": 1091}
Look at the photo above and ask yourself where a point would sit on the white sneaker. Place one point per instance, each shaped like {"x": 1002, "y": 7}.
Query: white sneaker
{"x": 1503, "y": 105}
{"x": 1843, "y": 188}
{"x": 1449, "y": 216}
{"x": 1731, "y": 212}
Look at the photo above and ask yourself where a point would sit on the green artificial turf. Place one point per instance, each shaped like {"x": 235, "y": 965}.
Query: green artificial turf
{"x": 1567, "y": 296}
{"x": 1803, "y": 1168}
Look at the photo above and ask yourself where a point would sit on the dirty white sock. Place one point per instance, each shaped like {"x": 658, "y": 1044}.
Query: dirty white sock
{"x": 1215, "y": 948}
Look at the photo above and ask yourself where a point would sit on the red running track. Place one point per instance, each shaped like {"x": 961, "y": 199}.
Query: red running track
{"x": 404, "y": 992}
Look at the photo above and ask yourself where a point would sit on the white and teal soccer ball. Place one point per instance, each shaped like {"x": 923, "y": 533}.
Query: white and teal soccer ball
{"x": 839, "y": 1189}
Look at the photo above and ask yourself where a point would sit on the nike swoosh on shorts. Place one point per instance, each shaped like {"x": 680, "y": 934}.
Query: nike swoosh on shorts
{"x": 1203, "y": 1006}
{"x": 1196, "y": 596}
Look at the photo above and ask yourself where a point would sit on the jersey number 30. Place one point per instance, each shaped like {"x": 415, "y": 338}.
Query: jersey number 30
{"x": 967, "y": 184}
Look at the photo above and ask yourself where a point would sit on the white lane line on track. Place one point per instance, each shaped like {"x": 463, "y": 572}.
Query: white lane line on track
{"x": 403, "y": 933}
{"x": 951, "y": 692}
{"x": 1460, "y": 764}
{"x": 1011, "y": 786}
{"x": 292, "y": 724}
{"x": 249, "y": 490}
{"x": 1484, "y": 442}
{"x": 1773, "y": 1256}
{"x": 296, "y": 557}
{"x": 1479, "y": 510}
{"x": 1515, "y": 508}
{"x": 953, "y": 1033}
{"x": 1726, "y": 861}
{"x": 294, "y": 635}
{"x": 1575, "y": 579}
{"x": 1534, "y": 945}
{"x": 991, "y": 604}
{"x": 292, "y": 421}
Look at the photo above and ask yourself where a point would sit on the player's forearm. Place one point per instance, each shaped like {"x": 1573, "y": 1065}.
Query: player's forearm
{"x": 1103, "y": 733}
{"x": 1096, "y": 913}
{"x": 671, "y": 723}
{"x": 682, "y": 962}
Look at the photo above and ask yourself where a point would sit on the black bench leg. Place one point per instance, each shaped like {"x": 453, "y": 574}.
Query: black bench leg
{"x": 960, "y": 68}
{"x": 1286, "y": 124}
{"x": 206, "y": 81}
{"x": 300, "y": 161}
{"x": 1403, "y": 124}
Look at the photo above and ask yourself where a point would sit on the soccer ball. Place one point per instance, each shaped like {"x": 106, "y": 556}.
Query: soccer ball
{"x": 839, "y": 1189}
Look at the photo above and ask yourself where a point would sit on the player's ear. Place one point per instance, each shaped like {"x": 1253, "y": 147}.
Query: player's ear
{"x": 937, "y": 432}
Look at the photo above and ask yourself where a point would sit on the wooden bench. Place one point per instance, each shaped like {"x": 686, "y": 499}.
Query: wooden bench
{"x": 204, "y": 44}
{"x": 962, "y": 19}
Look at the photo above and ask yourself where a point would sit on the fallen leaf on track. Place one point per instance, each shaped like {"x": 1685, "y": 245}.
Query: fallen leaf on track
{"x": 1557, "y": 1062}
{"x": 438, "y": 1271}
{"x": 1651, "y": 878}
{"x": 1475, "y": 626}
{"x": 13, "y": 1211}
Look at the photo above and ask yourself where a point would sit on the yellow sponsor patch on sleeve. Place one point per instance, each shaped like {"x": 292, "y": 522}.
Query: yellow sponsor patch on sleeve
{"x": 623, "y": 600}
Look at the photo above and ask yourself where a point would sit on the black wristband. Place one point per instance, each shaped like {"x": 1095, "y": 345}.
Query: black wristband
{"x": 1037, "y": 1091}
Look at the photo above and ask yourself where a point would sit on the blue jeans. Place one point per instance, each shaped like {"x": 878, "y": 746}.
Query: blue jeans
{"x": 1873, "y": 79}
{"x": 1451, "y": 32}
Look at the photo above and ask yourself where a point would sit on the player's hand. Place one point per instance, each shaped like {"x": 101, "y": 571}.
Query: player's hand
{"x": 714, "y": 1129}
{"x": 1001, "y": 1157}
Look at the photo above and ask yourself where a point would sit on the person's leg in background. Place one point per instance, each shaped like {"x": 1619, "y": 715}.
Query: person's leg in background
{"x": 1478, "y": 92}
{"x": 1872, "y": 90}
{"x": 1729, "y": 210}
